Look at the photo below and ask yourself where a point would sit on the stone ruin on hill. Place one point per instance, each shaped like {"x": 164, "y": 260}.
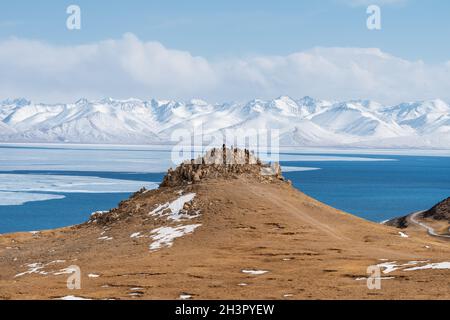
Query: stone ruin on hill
{"x": 222, "y": 163}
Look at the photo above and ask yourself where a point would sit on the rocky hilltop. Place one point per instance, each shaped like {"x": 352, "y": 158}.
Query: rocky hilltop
{"x": 435, "y": 221}
{"x": 222, "y": 163}
{"x": 441, "y": 211}
{"x": 224, "y": 226}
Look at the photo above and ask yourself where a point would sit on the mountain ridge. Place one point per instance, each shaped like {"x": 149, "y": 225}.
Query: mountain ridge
{"x": 300, "y": 122}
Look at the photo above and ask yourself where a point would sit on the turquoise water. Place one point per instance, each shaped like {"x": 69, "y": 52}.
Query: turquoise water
{"x": 374, "y": 190}
{"x": 75, "y": 208}
{"x": 377, "y": 190}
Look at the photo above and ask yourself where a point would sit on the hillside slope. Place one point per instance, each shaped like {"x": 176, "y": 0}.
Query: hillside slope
{"x": 224, "y": 232}
{"x": 435, "y": 221}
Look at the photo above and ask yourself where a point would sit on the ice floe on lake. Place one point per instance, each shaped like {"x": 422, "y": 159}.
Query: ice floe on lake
{"x": 18, "y": 198}
{"x": 83, "y": 157}
{"x": 69, "y": 184}
{"x": 17, "y": 189}
{"x": 297, "y": 169}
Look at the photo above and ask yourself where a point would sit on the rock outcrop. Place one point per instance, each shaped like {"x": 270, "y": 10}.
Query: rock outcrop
{"x": 441, "y": 211}
{"x": 222, "y": 163}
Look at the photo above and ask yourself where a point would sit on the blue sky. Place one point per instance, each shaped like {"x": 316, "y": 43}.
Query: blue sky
{"x": 225, "y": 50}
{"x": 413, "y": 29}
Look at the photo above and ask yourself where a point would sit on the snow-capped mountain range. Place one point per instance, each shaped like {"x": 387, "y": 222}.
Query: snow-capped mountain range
{"x": 303, "y": 122}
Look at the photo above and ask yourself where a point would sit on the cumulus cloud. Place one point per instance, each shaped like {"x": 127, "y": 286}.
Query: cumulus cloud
{"x": 128, "y": 67}
{"x": 122, "y": 67}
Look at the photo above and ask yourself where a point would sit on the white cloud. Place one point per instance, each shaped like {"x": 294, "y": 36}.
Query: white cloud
{"x": 130, "y": 67}
{"x": 115, "y": 67}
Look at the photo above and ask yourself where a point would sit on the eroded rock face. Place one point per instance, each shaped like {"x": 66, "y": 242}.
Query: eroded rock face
{"x": 222, "y": 163}
{"x": 439, "y": 212}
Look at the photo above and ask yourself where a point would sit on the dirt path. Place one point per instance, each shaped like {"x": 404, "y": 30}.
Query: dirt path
{"x": 430, "y": 230}
{"x": 278, "y": 201}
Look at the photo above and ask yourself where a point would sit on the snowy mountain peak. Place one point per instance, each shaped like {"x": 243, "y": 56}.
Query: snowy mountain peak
{"x": 198, "y": 102}
{"x": 306, "y": 121}
{"x": 286, "y": 106}
{"x": 19, "y": 102}
{"x": 82, "y": 101}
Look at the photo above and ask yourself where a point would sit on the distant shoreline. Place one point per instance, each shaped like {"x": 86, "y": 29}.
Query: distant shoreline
{"x": 283, "y": 149}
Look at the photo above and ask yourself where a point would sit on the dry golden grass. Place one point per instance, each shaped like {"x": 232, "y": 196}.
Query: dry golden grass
{"x": 310, "y": 250}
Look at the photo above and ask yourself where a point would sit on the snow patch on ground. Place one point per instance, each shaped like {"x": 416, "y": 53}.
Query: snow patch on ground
{"x": 172, "y": 210}
{"x": 64, "y": 271}
{"x": 135, "y": 294}
{"x": 164, "y": 236}
{"x": 375, "y": 278}
{"x": 389, "y": 267}
{"x": 32, "y": 268}
{"x": 403, "y": 235}
{"x": 37, "y": 268}
{"x": 255, "y": 272}
{"x": 105, "y": 238}
{"x": 93, "y": 275}
{"x": 72, "y": 298}
{"x": 98, "y": 213}
{"x": 435, "y": 266}
{"x": 136, "y": 235}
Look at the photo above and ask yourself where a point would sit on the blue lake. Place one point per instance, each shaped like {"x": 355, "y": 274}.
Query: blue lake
{"x": 377, "y": 191}
{"x": 73, "y": 209}
{"x": 374, "y": 190}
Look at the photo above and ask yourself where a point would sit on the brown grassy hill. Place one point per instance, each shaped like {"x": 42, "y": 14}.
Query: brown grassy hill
{"x": 224, "y": 232}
